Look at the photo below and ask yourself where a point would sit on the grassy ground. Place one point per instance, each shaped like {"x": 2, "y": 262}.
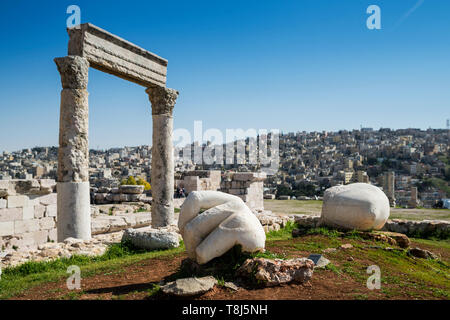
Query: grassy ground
{"x": 126, "y": 274}
{"x": 314, "y": 207}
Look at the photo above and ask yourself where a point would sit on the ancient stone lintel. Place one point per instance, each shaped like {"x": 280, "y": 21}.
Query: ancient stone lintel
{"x": 74, "y": 71}
{"x": 109, "y": 53}
{"x": 162, "y": 99}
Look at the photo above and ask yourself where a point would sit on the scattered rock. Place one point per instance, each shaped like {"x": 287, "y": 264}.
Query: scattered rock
{"x": 231, "y": 285}
{"x": 422, "y": 253}
{"x": 319, "y": 260}
{"x": 359, "y": 206}
{"x": 393, "y": 238}
{"x": 329, "y": 250}
{"x": 346, "y": 246}
{"x": 189, "y": 286}
{"x": 273, "y": 272}
{"x": 350, "y": 258}
{"x": 151, "y": 239}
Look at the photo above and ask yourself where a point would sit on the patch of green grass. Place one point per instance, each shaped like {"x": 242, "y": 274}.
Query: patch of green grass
{"x": 17, "y": 279}
{"x": 434, "y": 242}
{"x": 323, "y": 231}
{"x": 140, "y": 210}
{"x": 333, "y": 268}
{"x": 177, "y": 210}
{"x": 153, "y": 290}
{"x": 282, "y": 234}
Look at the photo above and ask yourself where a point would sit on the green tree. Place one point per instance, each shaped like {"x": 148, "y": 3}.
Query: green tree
{"x": 130, "y": 181}
{"x": 144, "y": 183}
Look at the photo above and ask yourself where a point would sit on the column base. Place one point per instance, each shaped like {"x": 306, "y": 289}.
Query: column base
{"x": 74, "y": 211}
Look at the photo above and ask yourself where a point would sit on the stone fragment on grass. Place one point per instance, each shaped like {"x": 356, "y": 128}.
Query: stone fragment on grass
{"x": 346, "y": 246}
{"x": 273, "y": 272}
{"x": 359, "y": 206}
{"x": 151, "y": 239}
{"x": 319, "y": 260}
{"x": 189, "y": 286}
{"x": 422, "y": 253}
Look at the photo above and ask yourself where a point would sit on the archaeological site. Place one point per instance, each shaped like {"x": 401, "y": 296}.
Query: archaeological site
{"x": 128, "y": 207}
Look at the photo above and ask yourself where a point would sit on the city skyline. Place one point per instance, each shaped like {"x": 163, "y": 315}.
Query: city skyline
{"x": 296, "y": 66}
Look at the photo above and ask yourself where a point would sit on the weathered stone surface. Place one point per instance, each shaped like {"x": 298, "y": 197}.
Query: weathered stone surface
{"x": 109, "y": 53}
{"x": 277, "y": 271}
{"x": 17, "y": 201}
{"x": 74, "y": 212}
{"x": 189, "y": 286}
{"x": 130, "y": 189}
{"x": 423, "y": 227}
{"x": 7, "y": 228}
{"x": 28, "y": 213}
{"x": 358, "y": 206}
{"x": 11, "y": 214}
{"x": 393, "y": 238}
{"x": 151, "y": 239}
{"x": 422, "y": 253}
{"x": 319, "y": 260}
{"x": 74, "y": 71}
{"x": 226, "y": 222}
{"x": 346, "y": 246}
{"x": 3, "y": 203}
{"x": 162, "y": 174}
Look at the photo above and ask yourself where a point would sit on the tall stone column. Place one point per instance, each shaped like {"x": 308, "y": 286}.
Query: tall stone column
{"x": 162, "y": 174}
{"x": 74, "y": 216}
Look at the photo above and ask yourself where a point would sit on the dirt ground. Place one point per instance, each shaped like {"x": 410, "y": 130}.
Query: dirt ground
{"x": 135, "y": 282}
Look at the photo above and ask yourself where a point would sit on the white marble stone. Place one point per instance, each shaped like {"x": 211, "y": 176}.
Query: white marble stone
{"x": 358, "y": 206}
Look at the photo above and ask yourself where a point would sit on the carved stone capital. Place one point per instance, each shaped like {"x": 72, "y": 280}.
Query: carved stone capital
{"x": 74, "y": 71}
{"x": 162, "y": 99}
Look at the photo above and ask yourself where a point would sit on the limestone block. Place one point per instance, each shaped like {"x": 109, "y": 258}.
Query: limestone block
{"x": 152, "y": 239}
{"x": 48, "y": 199}
{"x": 51, "y": 210}
{"x": 358, "y": 206}
{"x": 226, "y": 222}
{"x": 7, "y": 228}
{"x": 23, "y": 226}
{"x": 39, "y": 211}
{"x": 3, "y": 203}
{"x": 11, "y": 214}
{"x": 18, "y": 201}
{"x": 28, "y": 213}
{"x": 47, "y": 185}
{"x": 47, "y": 223}
{"x": 117, "y": 56}
{"x": 52, "y": 235}
{"x": 131, "y": 189}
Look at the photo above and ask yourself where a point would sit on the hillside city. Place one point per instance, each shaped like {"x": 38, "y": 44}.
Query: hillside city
{"x": 402, "y": 162}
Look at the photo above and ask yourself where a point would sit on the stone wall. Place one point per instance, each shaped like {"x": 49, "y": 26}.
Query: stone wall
{"x": 121, "y": 194}
{"x": 27, "y": 212}
{"x": 200, "y": 180}
{"x": 249, "y": 186}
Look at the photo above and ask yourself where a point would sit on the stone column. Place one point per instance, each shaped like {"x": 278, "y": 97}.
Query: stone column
{"x": 162, "y": 173}
{"x": 74, "y": 216}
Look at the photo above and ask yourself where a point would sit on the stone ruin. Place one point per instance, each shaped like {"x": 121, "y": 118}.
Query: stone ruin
{"x": 27, "y": 212}
{"x": 90, "y": 46}
{"x": 200, "y": 180}
{"x": 248, "y": 186}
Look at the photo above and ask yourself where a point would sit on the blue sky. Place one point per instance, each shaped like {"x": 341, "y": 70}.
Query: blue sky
{"x": 288, "y": 65}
